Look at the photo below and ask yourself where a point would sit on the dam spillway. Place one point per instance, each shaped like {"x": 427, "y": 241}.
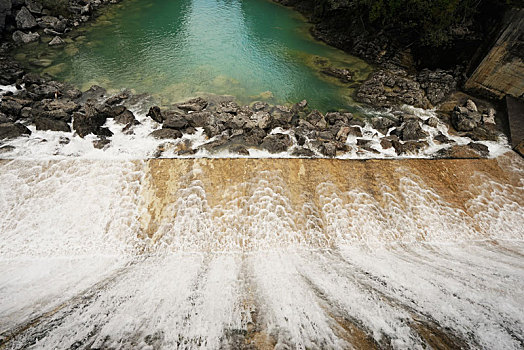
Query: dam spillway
{"x": 262, "y": 253}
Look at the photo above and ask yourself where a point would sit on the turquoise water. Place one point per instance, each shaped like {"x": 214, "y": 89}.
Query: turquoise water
{"x": 252, "y": 49}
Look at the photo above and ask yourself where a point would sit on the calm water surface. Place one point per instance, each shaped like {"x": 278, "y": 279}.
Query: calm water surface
{"x": 252, "y": 49}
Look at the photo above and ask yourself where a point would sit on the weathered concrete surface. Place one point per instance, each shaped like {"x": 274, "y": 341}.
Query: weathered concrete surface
{"x": 515, "y": 109}
{"x": 501, "y": 72}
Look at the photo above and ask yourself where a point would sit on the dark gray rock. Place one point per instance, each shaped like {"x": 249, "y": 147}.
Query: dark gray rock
{"x": 276, "y": 143}
{"x": 155, "y": 114}
{"x": 20, "y": 37}
{"x": 34, "y": 6}
{"x": 91, "y": 122}
{"x": 383, "y": 124}
{"x": 437, "y": 84}
{"x": 13, "y": 130}
{"x": 57, "y": 41}
{"x": 126, "y": 117}
{"x": 411, "y": 131}
{"x": 344, "y": 75}
{"x": 166, "y": 134}
{"x": 24, "y": 19}
{"x": 51, "y": 124}
{"x": 175, "y": 120}
{"x": 302, "y": 152}
{"x": 239, "y": 149}
{"x": 11, "y": 108}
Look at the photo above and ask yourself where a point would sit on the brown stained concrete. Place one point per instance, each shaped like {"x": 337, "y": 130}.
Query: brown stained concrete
{"x": 233, "y": 181}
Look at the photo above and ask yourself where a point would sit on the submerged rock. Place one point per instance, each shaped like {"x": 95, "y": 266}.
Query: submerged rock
{"x": 193, "y": 105}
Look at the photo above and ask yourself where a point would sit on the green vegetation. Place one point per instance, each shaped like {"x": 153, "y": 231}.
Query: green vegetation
{"x": 431, "y": 22}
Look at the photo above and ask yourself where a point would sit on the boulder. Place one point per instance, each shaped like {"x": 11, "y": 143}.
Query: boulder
{"x": 166, "y": 134}
{"x": 469, "y": 151}
{"x": 437, "y": 84}
{"x": 91, "y": 122}
{"x": 344, "y": 75}
{"x": 23, "y": 38}
{"x": 11, "y": 108}
{"x": 13, "y": 130}
{"x": 24, "y": 19}
{"x": 126, "y": 117}
{"x": 34, "y": 6}
{"x": 411, "y": 131}
{"x": 276, "y": 143}
{"x": 239, "y": 149}
{"x": 464, "y": 119}
{"x": 155, "y": 114}
{"x": 302, "y": 152}
{"x": 383, "y": 124}
{"x": 51, "y": 124}
{"x": 174, "y": 120}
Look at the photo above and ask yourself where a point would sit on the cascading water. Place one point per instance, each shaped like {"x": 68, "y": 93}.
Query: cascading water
{"x": 247, "y": 253}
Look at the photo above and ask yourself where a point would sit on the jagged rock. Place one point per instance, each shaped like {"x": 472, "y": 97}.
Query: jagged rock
{"x": 409, "y": 147}
{"x": 95, "y": 92}
{"x": 302, "y": 152}
{"x": 118, "y": 98}
{"x": 229, "y": 107}
{"x": 388, "y": 89}
{"x": 276, "y": 143}
{"x": 5, "y": 9}
{"x": 471, "y": 106}
{"x": 24, "y": 19}
{"x": 34, "y": 6}
{"x": 51, "y": 124}
{"x": 463, "y": 119}
{"x": 259, "y": 106}
{"x": 471, "y": 150}
{"x": 155, "y": 114}
{"x": 254, "y": 137}
{"x": 383, "y": 124}
{"x": 328, "y": 149}
{"x": 13, "y": 130}
{"x": 199, "y": 119}
{"x": 483, "y": 133}
{"x": 23, "y": 38}
{"x": 239, "y": 149}
{"x": 101, "y": 143}
{"x": 411, "y": 131}
{"x": 440, "y": 138}
{"x": 432, "y": 121}
{"x": 174, "y": 120}
{"x": 126, "y": 117}
{"x": 57, "y": 41}
{"x": 489, "y": 118}
{"x": 194, "y": 105}
{"x": 338, "y": 119}
{"x": 166, "y": 134}
{"x": 50, "y": 22}
{"x": 91, "y": 122}
{"x": 437, "y": 84}
{"x": 11, "y": 108}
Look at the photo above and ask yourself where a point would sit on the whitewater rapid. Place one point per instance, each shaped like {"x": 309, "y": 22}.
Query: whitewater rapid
{"x": 268, "y": 253}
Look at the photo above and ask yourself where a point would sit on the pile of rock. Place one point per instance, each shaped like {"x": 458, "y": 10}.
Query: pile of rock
{"x": 26, "y": 20}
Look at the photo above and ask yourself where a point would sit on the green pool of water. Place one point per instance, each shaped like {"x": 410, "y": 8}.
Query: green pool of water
{"x": 251, "y": 49}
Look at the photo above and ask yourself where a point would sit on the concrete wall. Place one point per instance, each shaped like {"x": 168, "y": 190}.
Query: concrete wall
{"x": 501, "y": 72}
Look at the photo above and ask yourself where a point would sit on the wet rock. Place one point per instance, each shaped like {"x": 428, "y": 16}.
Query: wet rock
{"x": 263, "y": 119}
{"x": 214, "y": 145}
{"x": 24, "y": 19}
{"x": 115, "y": 110}
{"x": 469, "y": 151}
{"x": 45, "y": 91}
{"x": 302, "y": 152}
{"x": 344, "y": 75}
{"x": 155, "y": 114}
{"x": 51, "y": 124}
{"x": 174, "y": 120}
{"x": 101, "y": 143}
{"x": 57, "y": 41}
{"x": 259, "y": 106}
{"x": 65, "y": 105}
{"x": 483, "y": 133}
{"x": 255, "y": 136}
{"x": 89, "y": 123}
{"x": 432, "y": 121}
{"x": 11, "y": 108}
{"x": 300, "y": 106}
{"x": 409, "y": 147}
{"x": 166, "y": 134}
{"x": 337, "y": 118}
{"x": 54, "y": 114}
{"x": 53, "y": 23}
{"x": 25, "y": 38}
{"x": 199, "y": 119}
{"x": 73, "y": 94}
{"x": 383, "y": 124}
{"x": 281, "y": 116}
{"x": 363, "y": 142}
{"x": 126, "y": 117}
{"x": 95, "y": 92}
{"x": 5, "y": 119}
{"x": 440, "y": 138}
{"x": 276, "y": 143}
{"x": 411, "y": 131}
{"x": 463, "y": 119}
{"x": 64, "y": 140}
{"x": 520, "y": 148}
{"x": 239, "y": 149}
{"x": 193, "y": 105}
{"x": 7, "y": 149}
{"x": 229, "y": 107}
{"x": 328, "y": 149}
{"x": 118, "y": 98}
{"x": 13, "y": 130}
{"x": 489, "y": 117}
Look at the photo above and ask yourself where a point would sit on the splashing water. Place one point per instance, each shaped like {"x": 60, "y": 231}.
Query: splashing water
{"x": 242, "y": 253}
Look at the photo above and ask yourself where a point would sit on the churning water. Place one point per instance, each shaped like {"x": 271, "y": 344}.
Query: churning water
{"x": 245, "y": 253}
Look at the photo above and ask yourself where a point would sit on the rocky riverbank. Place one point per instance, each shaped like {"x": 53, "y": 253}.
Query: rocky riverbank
{"x": 32, "y": 104}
